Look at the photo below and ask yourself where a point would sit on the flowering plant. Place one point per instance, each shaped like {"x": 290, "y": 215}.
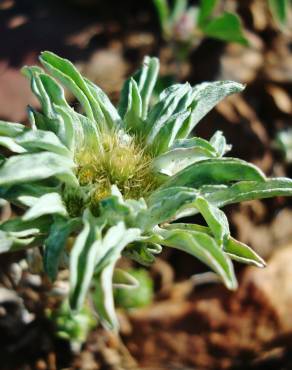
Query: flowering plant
{"x": 103, "y": 182}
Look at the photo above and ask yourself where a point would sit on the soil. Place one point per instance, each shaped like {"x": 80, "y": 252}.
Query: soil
{"x": 193, "y": 323}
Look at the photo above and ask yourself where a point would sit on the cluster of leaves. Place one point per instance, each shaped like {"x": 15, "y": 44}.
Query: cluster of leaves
{"x": 186, "y": 25}
{"x": 87, "y": 233}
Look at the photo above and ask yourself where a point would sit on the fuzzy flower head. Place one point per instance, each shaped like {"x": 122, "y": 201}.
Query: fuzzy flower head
{"x": 101, "y": 182}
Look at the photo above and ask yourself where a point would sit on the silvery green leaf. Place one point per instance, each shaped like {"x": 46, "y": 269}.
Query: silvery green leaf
{"x": 90, "y": 133}
{"x": 218, "y": 142}
{"x": 115, "y": 240}
{"x": 33, "y": 167}
{"x": 83, "y": 258}
{"x": 191, "y": 227}
{"x": 146, "y": 79}
{"x": 194, "y": 142}
{"x": 236, "y": 250}
{"x": 215, "y": 218}
{"x": 42, "y": 140}
{"x": 103, "y": 298}
{"x": 163, "y": 204}
{"x": 58, "y": 111}
{"x": 37, "y": 87}
{"x": 215, "y": 171}
{"x": 34, "y": 190}
{"x": 142, "y": 252}
{"x": 10, "y": 129}
{"x": 137, "y": 90}
{"x": 110, "y": 113}
{"x": 122, "y": 279}
{"x": 133, "y": 114}
{"x": 203, "y": 247}
{"x": 205, "y": 96}
{"x": 174, "y": 99}
{"x": 47, "y": 204}
{"x": 56, "y": 243}
{"x": 43, "y": 122}
{"x": 115, "y": 209}
{"x": 68, "y": 75}
{"x": 167, "y": 133}
{"x": 10, "y": 243}
{"x": 249, "y": 190}
{"x": 16, "y": 234}
{"x": 242, "y": 253}
{"x": 70, "y": 130}
{"x": 177, "y": 159}
{"x": 10, "y": 144}
{"x": 27, "y": 200}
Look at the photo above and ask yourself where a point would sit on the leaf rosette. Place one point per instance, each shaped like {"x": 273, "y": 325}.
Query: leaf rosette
{"x": 101, "y": 182}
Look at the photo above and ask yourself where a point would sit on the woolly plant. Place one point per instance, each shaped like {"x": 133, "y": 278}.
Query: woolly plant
{"x": 99, "y": 182}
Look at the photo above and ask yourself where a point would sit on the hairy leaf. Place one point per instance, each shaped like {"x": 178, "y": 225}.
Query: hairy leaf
{"x": 203, "y": 247}
{"x": 215, "y": 171}
{"x": 34, "y": 167}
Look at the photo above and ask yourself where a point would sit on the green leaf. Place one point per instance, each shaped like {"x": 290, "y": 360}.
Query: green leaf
{"x": 32, "y": 167}
{"x": 226, "y": 27}
{"x": 56, "y": 243}
{"x": 115, "y": 240}
{"x": 136, "y": 94}
{"x": 204, "y": 98}
{"x": 142, "y": 252}
{"x": 249, "y": 190}
{"x": 11, "y": 243}
{"x": 279, "y": 9}
{"x": 215, "y": 218}
{"x": 163, "y": 204}
{"x": 110, "y": 113}
{"x": 10, "y": 129}
{"x": 47, "y": 204}
{"x": 68, "y": 75}
{"x": 10, "y": 144}
{"x": 203, "y": 247}
{"x": 179, "y": 158}
{"x": 83, "y": 258}
{"x": 17, "y": 234}
{"x": 166, "y": 135}
{"x": 133, "y": 113}
{"x": 42, "y": 140}
{"x": 205, "y": 10}
{"x": 242, "y": 253}
{"x": 174, "y": 99}
{"x": 146, "y": 79}
{"x": 215, "y": 171}
{"x": 36, "y": 189}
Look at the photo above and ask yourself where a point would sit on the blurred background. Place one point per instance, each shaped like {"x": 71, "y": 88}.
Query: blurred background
{"x": 185, "y": 319}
